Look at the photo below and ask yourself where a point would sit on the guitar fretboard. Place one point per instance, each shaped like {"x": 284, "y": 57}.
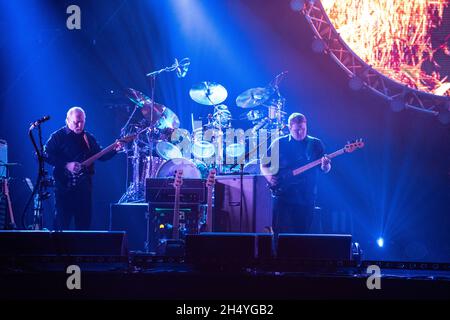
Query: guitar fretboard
{"x": 317, "y": 162}
{"x": 89, "y": 161}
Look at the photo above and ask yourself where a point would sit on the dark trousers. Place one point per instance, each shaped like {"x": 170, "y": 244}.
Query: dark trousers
{"x": 289, "y": 217}
{"x": 76, "y": 204}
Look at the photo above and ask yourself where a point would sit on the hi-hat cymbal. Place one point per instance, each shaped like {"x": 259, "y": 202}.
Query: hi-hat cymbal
{"x": 254, "y": 97}
{"x": 162, "y": 117}
{"x": 208, "y": 93}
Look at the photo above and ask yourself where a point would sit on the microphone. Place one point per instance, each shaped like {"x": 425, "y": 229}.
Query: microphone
{"x": 38, "y": 122}
{"x": 182, "y": 67}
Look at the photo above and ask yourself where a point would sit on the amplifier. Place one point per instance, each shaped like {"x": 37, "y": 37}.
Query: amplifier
{"x": 161, "y": 190}
{"x": 161, "y": 222}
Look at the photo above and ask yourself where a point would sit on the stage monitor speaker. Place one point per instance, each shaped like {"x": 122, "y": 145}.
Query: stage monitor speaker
{"x": 228, "y": 247}
{"x": 131, "y": 218}
{"x": 67, "y": 243}
{"x": 257, "y": 204}
{"x": 314, "y": 246}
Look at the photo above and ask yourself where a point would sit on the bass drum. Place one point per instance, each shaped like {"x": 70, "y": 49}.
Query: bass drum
{"x": 191, "y": 169}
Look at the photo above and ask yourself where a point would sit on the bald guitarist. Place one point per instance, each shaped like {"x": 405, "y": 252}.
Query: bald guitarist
{"x": 71, "y": 151}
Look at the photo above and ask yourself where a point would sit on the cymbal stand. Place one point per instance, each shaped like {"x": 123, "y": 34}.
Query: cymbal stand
{"x": 153, "y": 76}
{"x": 136, "y": 190}
{"x": 278, "y": 119}
{"x": 219, "y": 139}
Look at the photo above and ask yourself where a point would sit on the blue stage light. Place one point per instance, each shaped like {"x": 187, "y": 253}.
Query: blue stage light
{"x": 380, "y": 242}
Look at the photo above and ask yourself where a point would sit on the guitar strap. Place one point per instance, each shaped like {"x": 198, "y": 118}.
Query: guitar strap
{"x": 308, "y": 149}
{"x": 87, "y": 141}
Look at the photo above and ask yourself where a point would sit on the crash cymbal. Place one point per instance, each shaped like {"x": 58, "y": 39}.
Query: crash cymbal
{"x": 208, "y": 93}
{"x": 162, "y": 117}
{"x": 254, "y": 97}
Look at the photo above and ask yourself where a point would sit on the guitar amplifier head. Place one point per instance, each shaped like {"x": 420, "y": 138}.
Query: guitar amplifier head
{"x": 161, "y": 190}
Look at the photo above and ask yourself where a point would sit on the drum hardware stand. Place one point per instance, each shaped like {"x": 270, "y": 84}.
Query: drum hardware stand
{"x": 135, "y": 191}
{"x": 220, "y": 136}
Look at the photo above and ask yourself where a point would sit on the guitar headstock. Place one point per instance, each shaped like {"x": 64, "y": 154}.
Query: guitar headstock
{"x": 352, "y": 146}
{"x": 211, "y": 178}
{"x": 178, "y": 180}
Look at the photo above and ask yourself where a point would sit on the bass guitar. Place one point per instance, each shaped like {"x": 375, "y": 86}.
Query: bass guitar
{"x": 286, "y": 178}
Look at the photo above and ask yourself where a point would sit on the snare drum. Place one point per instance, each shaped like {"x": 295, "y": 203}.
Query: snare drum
{"x": 191, "y": 169}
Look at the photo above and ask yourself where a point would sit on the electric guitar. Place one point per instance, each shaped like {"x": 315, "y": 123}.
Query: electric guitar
{"x": 74, "y": 178}
{"x": 210, "y": 181}
{"x": 5, "y": 187}
{"x": 177, "y": 183}
{"x": 286, "y": 178}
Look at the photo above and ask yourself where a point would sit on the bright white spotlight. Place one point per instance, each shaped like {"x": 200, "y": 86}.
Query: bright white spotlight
{"x": 380, "y": 242}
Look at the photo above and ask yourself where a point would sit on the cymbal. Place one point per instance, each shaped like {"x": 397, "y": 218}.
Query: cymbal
{"x": 163, "y": 117}
{"x": 137, "y": 97}
{"x": 253, "y": 97}
{"x": 208, "y": 93}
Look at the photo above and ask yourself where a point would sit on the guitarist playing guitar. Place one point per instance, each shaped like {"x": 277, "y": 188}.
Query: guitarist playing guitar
{"x": 71, "y": 151}
{"x": 291, "y": 172}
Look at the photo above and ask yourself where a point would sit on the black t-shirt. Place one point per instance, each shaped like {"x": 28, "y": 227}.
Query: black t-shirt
{"x": 292, "y": 155}
{"x": 66, "y": 146}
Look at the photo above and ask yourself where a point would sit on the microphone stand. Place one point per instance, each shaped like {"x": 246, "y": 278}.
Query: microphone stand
{"x": 40, "y": 192}
{"x": 241, "y": 173}
{"x": 153, "y": 76}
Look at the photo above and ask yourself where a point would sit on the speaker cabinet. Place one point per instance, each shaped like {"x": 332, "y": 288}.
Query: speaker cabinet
{"x": 256, "y": 205}
{"x": 228, "y": 247}
{"x": 314, "y": 246}
{"x": 67, "y": 243}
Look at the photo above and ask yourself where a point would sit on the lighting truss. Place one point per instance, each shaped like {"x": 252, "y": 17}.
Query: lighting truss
{"x": 359, "y": 71}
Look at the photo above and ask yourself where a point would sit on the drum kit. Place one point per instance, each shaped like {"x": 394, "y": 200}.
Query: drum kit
{"x": 161, "y": 146}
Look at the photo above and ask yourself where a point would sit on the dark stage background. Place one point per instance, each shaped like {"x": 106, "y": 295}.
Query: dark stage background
{"x": 397, "y": 187}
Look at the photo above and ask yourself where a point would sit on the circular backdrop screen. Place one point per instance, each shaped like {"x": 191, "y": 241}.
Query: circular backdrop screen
{"x": 406, "y": 40}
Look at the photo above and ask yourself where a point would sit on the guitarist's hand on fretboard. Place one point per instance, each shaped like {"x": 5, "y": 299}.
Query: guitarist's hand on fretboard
{"x": 74, "y": 167}
{"x": 118, "y": 146}
{"x": 325, "y": 164}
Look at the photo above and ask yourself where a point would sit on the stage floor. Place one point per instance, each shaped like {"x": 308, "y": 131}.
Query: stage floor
{"x": 103, "y": 278}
